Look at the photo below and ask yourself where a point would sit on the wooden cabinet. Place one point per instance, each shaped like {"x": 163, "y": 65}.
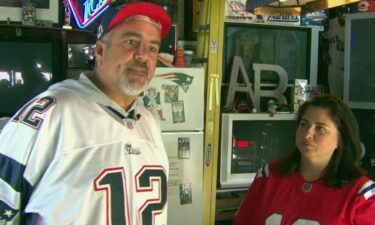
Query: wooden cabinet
{"x": 227, "y": 203}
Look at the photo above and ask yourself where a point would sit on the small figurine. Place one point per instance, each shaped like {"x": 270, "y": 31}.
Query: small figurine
{"x": 271, "y": 107}
{"x": 67, "y": 15}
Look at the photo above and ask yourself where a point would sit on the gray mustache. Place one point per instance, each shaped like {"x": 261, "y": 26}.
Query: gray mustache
{"x": 138, "y": 64}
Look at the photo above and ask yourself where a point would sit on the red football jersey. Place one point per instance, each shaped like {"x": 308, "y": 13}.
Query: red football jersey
{"x": 272, "y": 200}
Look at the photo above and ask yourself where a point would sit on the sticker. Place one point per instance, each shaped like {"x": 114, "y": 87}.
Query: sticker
{"x": 185, "y": 193}
{"x": 151, "y": 100}
{"x": 170, "y": 93}
{"x": 184, "y": 148}
{"x": 178, "y": 112}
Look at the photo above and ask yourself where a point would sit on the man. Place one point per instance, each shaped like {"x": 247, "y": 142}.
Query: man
{"x": 85, "y": 152}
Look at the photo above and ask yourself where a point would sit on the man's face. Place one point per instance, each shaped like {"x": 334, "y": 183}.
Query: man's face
{"x": 128, "y": 59}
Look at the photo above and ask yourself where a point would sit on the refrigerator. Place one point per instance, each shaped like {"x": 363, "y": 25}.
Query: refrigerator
{"x": 176, "y": 96}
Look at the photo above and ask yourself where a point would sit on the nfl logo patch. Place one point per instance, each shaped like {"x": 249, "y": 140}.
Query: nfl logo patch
{"x": 129, "y": 123}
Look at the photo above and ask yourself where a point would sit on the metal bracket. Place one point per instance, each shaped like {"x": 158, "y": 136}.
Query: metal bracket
{"x": 201, "y": 60}
{"x": 204, "y": 27}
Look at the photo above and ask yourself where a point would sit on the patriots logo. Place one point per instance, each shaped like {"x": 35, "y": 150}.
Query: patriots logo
{"x": 6, "y": 213}
{"x": 181, "y": 79}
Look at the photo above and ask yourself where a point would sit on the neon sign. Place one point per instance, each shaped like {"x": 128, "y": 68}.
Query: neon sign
{"x": 91, "y": 10}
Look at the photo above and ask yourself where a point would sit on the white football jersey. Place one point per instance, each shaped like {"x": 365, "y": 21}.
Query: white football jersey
{"x": 70, "y": 156}
{"x": 336, "y": 39}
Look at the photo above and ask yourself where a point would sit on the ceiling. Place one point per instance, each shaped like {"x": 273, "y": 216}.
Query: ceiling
{"x": 290, "y": 6}
{"x": 293, "y": 3}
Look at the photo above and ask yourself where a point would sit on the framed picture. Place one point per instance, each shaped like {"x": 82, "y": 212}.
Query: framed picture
{"x": 13, "y": 10}
{"x": 28, "y": 13}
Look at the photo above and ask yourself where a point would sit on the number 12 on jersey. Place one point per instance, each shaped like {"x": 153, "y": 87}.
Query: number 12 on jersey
{"x": 113, "y": 182}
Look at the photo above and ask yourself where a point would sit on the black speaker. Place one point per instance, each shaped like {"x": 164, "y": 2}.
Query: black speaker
{"x": 169, "y": 43}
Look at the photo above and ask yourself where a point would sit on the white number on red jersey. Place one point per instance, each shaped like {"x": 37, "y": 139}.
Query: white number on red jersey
{"x": 275, "y": 219}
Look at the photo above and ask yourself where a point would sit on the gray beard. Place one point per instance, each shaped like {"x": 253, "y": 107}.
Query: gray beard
{"x": 129, "y": 89}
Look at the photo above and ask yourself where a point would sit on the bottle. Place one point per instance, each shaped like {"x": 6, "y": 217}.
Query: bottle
{"x": 188, "y": 57}
{"x": 179, "y": 58}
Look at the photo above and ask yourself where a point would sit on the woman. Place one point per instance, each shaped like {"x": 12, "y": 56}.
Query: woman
{"x": 320, "y": 181}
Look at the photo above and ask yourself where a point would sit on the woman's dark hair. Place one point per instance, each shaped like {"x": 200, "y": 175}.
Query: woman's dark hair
{"x": 343, "y": 166}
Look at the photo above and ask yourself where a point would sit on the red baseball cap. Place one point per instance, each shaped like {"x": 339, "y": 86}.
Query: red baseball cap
{"x": 116, "y": 14}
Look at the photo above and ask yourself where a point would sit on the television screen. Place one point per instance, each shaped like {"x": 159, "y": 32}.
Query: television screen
{"x": 359, "y": 66}
{"x": 81, "y": 55}
{"x": 249, "y": 141}
{"x": 366, "y": 122}
{"x": 26, "y": 69}
{"x": 289, "y": 47}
